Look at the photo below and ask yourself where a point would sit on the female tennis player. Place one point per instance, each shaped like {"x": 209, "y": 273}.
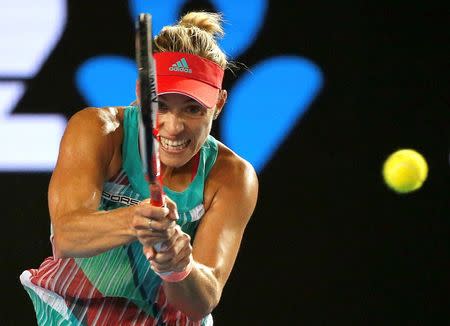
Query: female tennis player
{"x": 104, "y": 268}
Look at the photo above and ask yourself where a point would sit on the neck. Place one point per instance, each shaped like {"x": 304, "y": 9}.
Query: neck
{"x": 173, "y": 177}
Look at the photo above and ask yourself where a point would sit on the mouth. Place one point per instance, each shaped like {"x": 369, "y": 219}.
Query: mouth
{"x": 173, "y": 145}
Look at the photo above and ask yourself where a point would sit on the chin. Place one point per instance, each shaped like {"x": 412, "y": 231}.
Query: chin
{"x": 176, "y": 159}
{"x": 174, "y": 162}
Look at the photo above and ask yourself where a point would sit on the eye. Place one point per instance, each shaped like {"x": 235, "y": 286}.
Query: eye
{"x": 162, "y": 107}
{"x": 195, "y": 110}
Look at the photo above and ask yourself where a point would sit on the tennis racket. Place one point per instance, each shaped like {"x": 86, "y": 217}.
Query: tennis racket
{"x": 148, "y": 124}
{"x": 148, "y": 127}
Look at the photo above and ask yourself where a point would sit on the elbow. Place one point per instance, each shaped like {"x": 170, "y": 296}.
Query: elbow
{"x": 58, "y": 254}
{"x": 57, "y": 240}
{"x": 201, "y": 311}
{"x": 62, "y": 245}
{"x": 199, "y": 314}
{"x": 198, "y": 297}
{"x": 59, "y": 251}
{"x": 205, "y": 306}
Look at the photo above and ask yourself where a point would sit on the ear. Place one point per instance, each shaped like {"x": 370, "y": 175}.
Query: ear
{"x": 220, "y": 102}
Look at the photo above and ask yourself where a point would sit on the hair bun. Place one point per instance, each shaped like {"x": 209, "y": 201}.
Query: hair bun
{"x": 207, "y": 21}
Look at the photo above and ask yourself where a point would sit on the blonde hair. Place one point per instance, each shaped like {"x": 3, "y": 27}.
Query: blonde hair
{"x": 195, "y": 33}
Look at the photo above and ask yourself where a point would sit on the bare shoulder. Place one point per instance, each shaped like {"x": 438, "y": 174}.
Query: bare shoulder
{"x": 233, "y": 175}
{"x": 106, "y": 119}
{"x": 231, "y": 165}
{"x": 97, "y": 123}
{"x": 93, "y": 133}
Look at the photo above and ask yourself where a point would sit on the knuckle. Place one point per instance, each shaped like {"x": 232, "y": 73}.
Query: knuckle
{"x": 171, "y": 231}
{"x": 172, "y": 252}
{"x": 166, "y": 234}
{"x": 154, "y": 226}
{"x": 173, "y": 240}
{"x": 170, "y": 203}
{"x": 173, "y": 261}
{"x": 142, "y": 208}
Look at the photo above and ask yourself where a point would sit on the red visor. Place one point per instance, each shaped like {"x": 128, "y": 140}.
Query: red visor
{"x": 190, "y": 75}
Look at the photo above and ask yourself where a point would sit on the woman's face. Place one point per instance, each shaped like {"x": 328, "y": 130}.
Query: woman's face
{"x": 184, "y": 125}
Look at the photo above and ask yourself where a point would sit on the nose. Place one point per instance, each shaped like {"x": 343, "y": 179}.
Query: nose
{"x": 172, "y": 123}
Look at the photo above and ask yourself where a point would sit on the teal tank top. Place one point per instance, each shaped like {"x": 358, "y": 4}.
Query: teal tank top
{"x": 118, "y": 287}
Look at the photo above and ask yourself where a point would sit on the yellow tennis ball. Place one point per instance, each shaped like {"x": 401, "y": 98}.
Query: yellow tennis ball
{"x": 405, "y": 170}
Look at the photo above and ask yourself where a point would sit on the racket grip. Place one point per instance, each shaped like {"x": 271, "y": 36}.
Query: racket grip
{"x": 156, "y": 199}
{"x": 156, "y": 195}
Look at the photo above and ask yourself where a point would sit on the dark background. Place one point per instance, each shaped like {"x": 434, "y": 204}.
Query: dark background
{"x": 328, "y": 244}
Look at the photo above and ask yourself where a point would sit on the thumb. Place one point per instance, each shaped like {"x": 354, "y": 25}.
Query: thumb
{"x": 173, "y": 211}
{"x": 149, "y": 253}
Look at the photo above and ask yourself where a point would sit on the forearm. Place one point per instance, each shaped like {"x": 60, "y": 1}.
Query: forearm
{"x": 86, "y": 233}
{"x": 197, "y": 295}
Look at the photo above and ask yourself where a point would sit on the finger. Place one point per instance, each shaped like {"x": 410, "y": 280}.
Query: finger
{"x": 140, "y": 223}
{"x": 149, "y": 211}
{"x": 172, "y": 235}
{"x": 149, "y": 252}
{"x": 150, "y": 240}
{"x": 177, "y": 264}
{"x": 160, "y": 226}
{"x": 180, "y": 261}
{"x": 145, "y": 223}
{"x": 145, "y": 233}
{"x": 184, "y": 250}
{"x": 173, "y": 211}
{"x": 148, "y": 236}
{"x": 180, "y": 249}
{"x": 182, "y": 264}
{"x": 166, "y": 244}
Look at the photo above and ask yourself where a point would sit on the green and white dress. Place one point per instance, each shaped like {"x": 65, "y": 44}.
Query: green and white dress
{"x": 118, "y": 287}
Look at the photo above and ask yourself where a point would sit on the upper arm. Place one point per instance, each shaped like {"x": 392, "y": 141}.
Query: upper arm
{"x": 220, "y": 232}
{"x": 84, "y": 156}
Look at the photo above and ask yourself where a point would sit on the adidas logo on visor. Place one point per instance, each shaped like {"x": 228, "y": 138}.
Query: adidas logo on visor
{"x": 181, "y": 65}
